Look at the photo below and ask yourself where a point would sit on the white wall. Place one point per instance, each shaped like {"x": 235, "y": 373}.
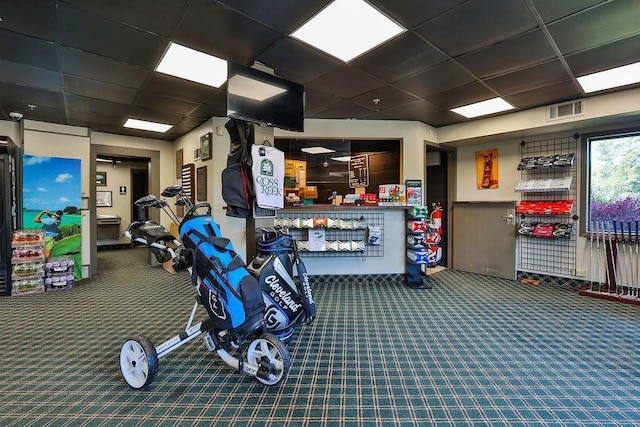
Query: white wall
{"x": 12, "y": 130}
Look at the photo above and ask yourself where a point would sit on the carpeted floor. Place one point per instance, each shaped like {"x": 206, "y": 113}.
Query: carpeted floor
{"x": 473, "y": 351}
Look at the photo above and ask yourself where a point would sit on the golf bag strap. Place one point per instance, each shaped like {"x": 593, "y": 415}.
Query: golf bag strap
{"x": 219, "y": 243}
{"x": 303, "y": 279}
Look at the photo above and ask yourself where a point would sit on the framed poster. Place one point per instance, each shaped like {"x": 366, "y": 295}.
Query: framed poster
{"x": 205, "y": 146}
{"x": 487, "y": 169}
{"x": 103, "y": 199}
{"x": 101, "y": 179}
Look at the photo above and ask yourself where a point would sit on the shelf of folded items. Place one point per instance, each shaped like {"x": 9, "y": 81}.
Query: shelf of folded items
{"x": 546, "y": 230}
{"x": 545, "y": 207}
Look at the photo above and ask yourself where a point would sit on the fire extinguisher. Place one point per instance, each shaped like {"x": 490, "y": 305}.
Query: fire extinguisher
{"x": 436, "y": 217}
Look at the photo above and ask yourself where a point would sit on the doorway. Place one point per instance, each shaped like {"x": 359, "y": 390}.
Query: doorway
{"x": 437, "y": 195}
{"x": 139, "y": 188}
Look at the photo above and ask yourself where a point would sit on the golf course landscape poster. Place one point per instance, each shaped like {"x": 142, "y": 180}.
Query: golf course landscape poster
{"x": 52, "y": 194}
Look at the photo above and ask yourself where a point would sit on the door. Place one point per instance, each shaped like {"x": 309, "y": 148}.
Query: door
{"x": 484, "y": 238}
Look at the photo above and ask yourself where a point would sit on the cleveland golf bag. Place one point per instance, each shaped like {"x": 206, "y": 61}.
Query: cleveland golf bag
{"x": 288, "y": 302}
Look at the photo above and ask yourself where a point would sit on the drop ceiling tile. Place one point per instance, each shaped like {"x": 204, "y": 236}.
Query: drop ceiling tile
{"x": 401, "y": 57}
{"x": 174, "y": 87}
{"x": 37, "y": 20}
{"x": 27, "y": 75}
{"x": 286, "y": 17}
{"x": 387, "y": 96}
{"x": 206, "y": 111}
{"x": 439, "y": 78}
{"x": 443, "y": 118}
{"x": 24, "y": 95}
{"x": 47, "y": 114}
{"x": 316, "y": 100}
{"x": 190, "y": 122}
{"x": 343, "y": 110}
{"x": 529, "y": 78}
{"x": 165, "y": 104}
{"x": 552, "y": 10}
{"x": 416, "y": 110}
{"x": 157, "y": 17}
{"x": 508, "y": 55}
{"x": 81, "y": 103}
{"x": 214, "y": 29}
{"x": 476, "y": 24}
{"x": 563, "y": 91}
{"x": 15, "y": 47}
{"x": 463, "y": 95}
{"x": 81, "y": 116}
{"x": 297, "y": 61}
{"x": 346, "y": 82}
{"x": 615, "y": 20}
{"x": 615, "y": 54}
{"x": 109, "y": 39}
{"x": 410, "y": 13}
{"x": 78, "y": 63}
{"x": 99, "y": 90}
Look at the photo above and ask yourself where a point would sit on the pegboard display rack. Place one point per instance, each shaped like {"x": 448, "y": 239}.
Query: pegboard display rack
{"x": 548, "y": 163}
{"x": 345, "y": 232}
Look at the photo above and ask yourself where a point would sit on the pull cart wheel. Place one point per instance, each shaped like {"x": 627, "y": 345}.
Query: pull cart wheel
{"x": 138, "y": 361}
{"x": 272, "y": 358}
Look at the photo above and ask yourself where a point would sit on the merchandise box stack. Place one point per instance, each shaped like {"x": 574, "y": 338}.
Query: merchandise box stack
{"x": 59, "y": 273}
{"x": 27, "y": 262}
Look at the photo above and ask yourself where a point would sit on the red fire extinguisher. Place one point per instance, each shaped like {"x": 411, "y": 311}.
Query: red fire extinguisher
{"x": 436, "y": 217}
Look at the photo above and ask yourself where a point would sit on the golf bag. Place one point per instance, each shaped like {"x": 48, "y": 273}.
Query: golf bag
{"x": 288, "y": 302}
{"x": 231, "y": 295}
{"x": 237, "y": 178}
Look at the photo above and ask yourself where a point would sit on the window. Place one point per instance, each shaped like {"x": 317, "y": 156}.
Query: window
{"x": 611, "y": 171}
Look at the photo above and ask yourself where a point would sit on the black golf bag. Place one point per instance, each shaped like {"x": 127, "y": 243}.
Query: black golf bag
{"x": 288, "y": 301}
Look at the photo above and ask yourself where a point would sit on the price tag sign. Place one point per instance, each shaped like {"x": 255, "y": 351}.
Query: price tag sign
{"x": 359, "y": 171}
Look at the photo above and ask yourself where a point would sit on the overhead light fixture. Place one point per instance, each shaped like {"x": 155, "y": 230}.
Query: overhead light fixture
{"x": 341, "y": 158}
{"x": 190, "y": 64}
{"x": 247, "y": 87}
{"x": 145, "y": 125}
{"x": 615, "y": 77}
{"x": 490, "y": 106}
{"x": 347, "y": 29}
{"x": 317, "y": 150}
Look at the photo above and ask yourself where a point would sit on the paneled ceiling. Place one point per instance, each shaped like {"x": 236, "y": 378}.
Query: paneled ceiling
{"x": 90, "y": 62}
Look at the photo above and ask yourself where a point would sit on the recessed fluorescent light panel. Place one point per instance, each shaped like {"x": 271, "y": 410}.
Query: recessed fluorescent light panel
{"x": 144, "y": 125}
{"x": 317, "y": 150}
{"x": 347, "y": 28}
{"x": 253, "y": 89}
{"x": 490, "y": 106}
{"x": 621, "y": 76}
{"x": 185, "y": 63}
{"x": 341, "y": 158}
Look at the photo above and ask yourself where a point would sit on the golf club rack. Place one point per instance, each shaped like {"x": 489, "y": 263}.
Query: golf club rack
{"x": 252, "y": 309}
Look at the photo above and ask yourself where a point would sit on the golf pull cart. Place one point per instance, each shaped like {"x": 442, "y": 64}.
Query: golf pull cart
{"x": 235, "y": 328}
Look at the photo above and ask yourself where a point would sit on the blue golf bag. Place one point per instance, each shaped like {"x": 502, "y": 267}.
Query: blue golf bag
{"x": 231, "y": 296}
{"x": 288, "y": 302}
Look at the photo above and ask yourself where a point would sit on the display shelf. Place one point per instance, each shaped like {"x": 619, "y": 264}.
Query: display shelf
{"x": 421, "y": 247}
{"x": 343, "y": 233}
{"x": 543, "y": 185}
{"x": 546, "y": 230}
{"x": 545, "y": 207}
{"x": 547, "y": 162}
{"x": 548, "y": 187}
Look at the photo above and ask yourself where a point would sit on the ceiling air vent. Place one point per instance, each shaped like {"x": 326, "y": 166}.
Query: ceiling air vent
{"x": 564, "y": 110}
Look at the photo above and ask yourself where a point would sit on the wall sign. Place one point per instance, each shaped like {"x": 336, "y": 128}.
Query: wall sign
{"x": 359, "y": 171}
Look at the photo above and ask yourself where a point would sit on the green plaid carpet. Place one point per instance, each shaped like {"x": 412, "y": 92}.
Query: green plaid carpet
{"x": 473, "y": 351}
